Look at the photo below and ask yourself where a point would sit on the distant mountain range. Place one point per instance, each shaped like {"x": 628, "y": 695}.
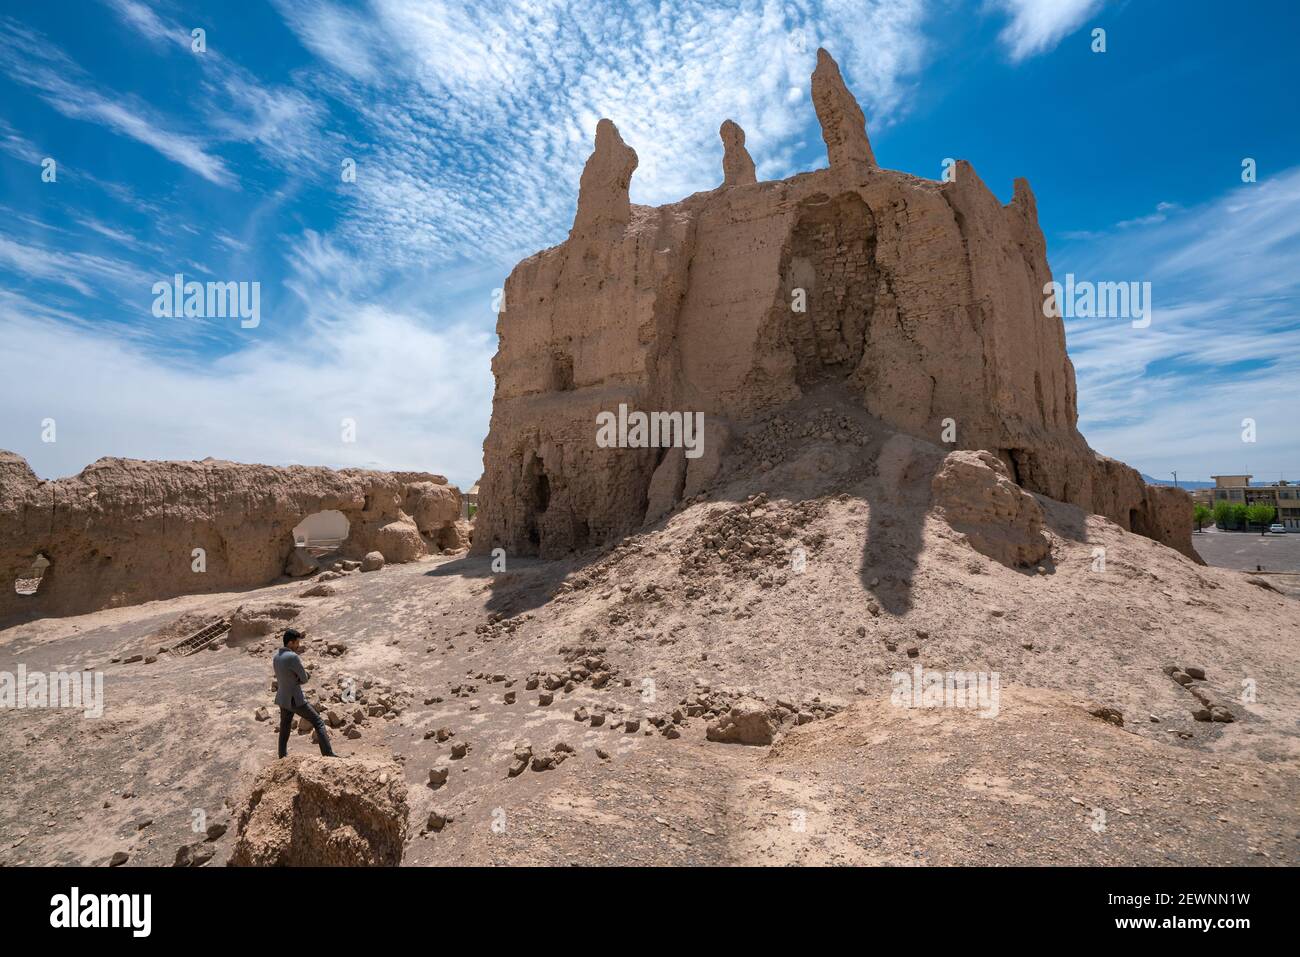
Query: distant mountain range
{"x": 1182, "y": 483}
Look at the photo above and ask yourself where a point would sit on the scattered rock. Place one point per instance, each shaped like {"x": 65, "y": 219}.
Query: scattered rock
{"x": 194, "y": 855}
{"x": 1112, "y": 715}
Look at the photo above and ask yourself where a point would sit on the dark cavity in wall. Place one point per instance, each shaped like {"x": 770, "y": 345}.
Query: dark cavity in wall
{"x": 832, "y": 258}
{"x": 561, "y": 372}
{"x": 537, "y": 488}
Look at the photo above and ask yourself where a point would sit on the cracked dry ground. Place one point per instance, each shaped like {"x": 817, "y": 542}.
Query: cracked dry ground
{"x": 442, "y": 642}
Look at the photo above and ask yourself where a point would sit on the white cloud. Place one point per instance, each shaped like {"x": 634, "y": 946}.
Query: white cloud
{"x": 142, "y": 18}
{"x": 478, "y": 123}
{"x": 282, "y": 123}
{"x": 1223, "y": 344}
{"x": 85, "y": 272}
{"x": 420, "y": 397}
{"x": 1037, "y": 26}
{"x": 30, "y": 61}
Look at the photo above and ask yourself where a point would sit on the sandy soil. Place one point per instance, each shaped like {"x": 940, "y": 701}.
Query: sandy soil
{"x": 887, "y": 587}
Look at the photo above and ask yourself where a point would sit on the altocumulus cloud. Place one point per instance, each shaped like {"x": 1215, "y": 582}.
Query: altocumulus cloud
{"x": 1224, "y": 340}
{"x": 482, "y": 115}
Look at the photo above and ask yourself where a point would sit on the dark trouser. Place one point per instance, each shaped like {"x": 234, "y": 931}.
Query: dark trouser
{"x": 303, "y": 710}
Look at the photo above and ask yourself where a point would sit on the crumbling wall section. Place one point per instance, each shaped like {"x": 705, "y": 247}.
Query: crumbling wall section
{"x": 124, "y": 531}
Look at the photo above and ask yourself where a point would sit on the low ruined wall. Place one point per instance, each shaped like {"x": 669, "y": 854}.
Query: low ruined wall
{"x": 124, "y": 531}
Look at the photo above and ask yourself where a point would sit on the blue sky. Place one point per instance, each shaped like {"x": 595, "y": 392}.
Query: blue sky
{"x": 468, "y": 125}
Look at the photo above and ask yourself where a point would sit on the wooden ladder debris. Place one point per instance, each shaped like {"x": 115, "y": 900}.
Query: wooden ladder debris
{"x": 200, "y": 639}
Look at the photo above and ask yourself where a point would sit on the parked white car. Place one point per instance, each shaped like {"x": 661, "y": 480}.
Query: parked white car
{"x": 1276, "y": 529}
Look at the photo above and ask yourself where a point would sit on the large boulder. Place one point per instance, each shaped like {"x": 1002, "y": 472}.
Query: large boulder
{"x": 432, "y": 506}
{"x": 398, "y": 541}
{"x": 975, "y": 494}
{"x": 317, "y": 811}
{"x": 748, "y": 722}
{"x": 372, "y": 562}
{"x": 300, "y": 564}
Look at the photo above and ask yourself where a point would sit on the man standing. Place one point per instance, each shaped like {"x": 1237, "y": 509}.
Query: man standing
{"x": 290, "y": 676}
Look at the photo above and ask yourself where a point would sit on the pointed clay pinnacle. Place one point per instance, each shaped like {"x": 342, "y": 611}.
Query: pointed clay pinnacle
{"x": 1023, "y": 198}
{"x": 737, "y": 166}
{"x": 844, "y": 128}
{"x": 603, "y": 192}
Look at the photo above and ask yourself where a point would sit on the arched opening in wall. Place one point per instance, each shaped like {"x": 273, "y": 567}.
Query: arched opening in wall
{"x": 830, "y": 286}
{"x": 31, "y": 583}
{"x": 321, "y": 533}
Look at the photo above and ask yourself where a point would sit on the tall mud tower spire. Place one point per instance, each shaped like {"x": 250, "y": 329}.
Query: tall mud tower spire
{"x": 603, "y": 202}
{"x": 737, "y": 166}
{"x": 844, "y": 128}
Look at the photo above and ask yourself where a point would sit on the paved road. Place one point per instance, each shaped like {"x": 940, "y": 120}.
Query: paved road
{"x": 1245, "y": 550}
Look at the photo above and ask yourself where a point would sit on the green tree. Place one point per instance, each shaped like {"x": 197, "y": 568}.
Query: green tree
{"x": 1223, "y": 513}
{"x": 1201, "y": 514}
{"x": 1239, "y": 515}
{"x": 1259, "y": 514}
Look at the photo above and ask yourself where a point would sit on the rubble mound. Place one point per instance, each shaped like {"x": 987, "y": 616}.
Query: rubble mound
{"x": 749, "y": 538}
{"x": 323, "y": 812}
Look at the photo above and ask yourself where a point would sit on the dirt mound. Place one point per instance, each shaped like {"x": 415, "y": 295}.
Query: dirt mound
{"x": 311, "y": 812}
{"x": 252, "y": 621}
{"x": 1044, "y": 782}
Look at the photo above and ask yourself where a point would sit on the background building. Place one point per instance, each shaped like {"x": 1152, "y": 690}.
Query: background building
{"x": 1282, "y": 495}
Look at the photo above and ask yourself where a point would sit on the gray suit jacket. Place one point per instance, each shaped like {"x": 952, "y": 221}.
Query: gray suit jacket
{"x": 290, "y": 676}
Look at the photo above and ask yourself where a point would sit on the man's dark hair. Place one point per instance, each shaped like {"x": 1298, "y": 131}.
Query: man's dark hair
{"x": 291, "y": 634}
